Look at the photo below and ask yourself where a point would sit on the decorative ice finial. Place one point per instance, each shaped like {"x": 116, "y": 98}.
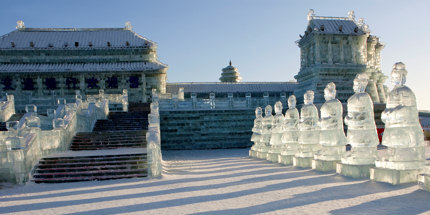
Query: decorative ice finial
{"x": 128, "y": 26}
{"x": 360, "y": 22}
{"x": 20, "y": 24}
{"x": 351, "y": 15}
{"x": 230, "y": 63}
{"x": 311, "y": 14}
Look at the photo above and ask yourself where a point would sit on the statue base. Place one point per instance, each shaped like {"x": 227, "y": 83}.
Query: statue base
{"x": 285, "y": 159}
{"x": 302, "y": 162}
{"x": 354, "y": 171}
{"x": 393, "y": 176}
{"x": 272, "y": 156}
{"x": 252, "y": 153}
{"x": 424, "y": 181}
{"x": 323, "y": 165}
{"x": 262, "y": 155}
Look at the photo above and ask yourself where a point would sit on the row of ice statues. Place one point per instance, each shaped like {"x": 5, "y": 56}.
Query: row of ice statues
{"x": 296, "y": 137}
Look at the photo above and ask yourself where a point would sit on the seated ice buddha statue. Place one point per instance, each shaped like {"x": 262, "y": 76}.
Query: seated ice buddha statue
{"x": 403, "y": 134}
{"x": 277, "y": 126}
{"x": 256, "y": 131}
{"x": 266, "y": 132}
{"x": 332, "y": 136}
{"x": 290, "y": 136}
{"x": 309, "y": 130}
{"x": 361, "y": 135}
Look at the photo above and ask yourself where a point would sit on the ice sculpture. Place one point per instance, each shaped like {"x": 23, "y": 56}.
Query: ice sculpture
{"x": 361, "y": 135}
{"x": 309, "y": 132}
{"x": 332, "y": 136}
{"x": 290, "y": 144}
{"x": 256, "y": 132}
{"x": 277, "y": 131}
{"x": 403, "y": 134}
{"x": 266, "y": 133}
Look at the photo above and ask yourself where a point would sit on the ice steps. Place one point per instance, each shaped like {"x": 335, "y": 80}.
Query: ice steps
{"x": 94, "y": 167}
{"x": 108, "y": 140}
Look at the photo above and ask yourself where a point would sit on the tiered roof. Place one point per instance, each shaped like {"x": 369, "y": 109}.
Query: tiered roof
{"x": 82, "y": 67}
{"x": 72, "y": 38}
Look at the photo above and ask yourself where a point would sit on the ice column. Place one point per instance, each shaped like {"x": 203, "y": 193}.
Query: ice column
{"x": 266, "y": 133}
{"x": 277, "y": 131}
{"x": 256, "y": 132}
{"x": 309, "y": 132}
{"x": 332, "y": 136}
{"x": 154, "y": 141}
{"x": 403, "y": 134}
{"x": 290, "y": 143}
{"x": 361, "y": 135}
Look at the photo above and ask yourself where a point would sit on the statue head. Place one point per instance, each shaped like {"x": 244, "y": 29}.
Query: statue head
{"x": 360, "y": 82}
{"x": 292, "y": 102}
{"x": 278, "y": 107}
{"x": 309, "y": 97}
{"x": 330, "y": 91}
{"x": 258, "y": 112}
{"x": 398, "y": 75}
{"x": 268, "y": 110}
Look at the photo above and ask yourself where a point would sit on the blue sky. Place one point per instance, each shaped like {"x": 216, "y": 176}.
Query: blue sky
{"x": 197, "y": 38}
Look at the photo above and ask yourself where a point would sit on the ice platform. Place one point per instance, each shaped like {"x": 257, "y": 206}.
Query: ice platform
{"x": 324, "y": 166}
{"x": 305, "y": 162}
{"x": 285, "y": 159}
{"x": 354, "y": 171}
{"x": 393, "y": 176}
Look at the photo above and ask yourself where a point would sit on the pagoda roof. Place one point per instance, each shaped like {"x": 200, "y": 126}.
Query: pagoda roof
{"x": 333, "y": 24}
{"x": 66, "y": 38}
{"x": 82, "y": 67}
{"x": 231, "y": 87}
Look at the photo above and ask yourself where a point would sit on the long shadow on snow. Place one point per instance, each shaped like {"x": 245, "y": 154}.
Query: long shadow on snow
{"x": 412, "y": 203}
{"x": 325, "y": 194}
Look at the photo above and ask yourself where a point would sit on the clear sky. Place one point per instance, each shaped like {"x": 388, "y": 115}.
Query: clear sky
{"x": 197, "y": 38}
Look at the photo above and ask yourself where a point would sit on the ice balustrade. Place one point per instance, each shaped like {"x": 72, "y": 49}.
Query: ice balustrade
{"x": 153, "y": 140}
{"x": 25, "y": 142}
{"x": 7, "y": 107}
{"x": 231, "y": 102}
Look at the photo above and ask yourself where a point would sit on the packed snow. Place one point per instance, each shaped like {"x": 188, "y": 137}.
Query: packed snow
{"x": 218, "y": 182}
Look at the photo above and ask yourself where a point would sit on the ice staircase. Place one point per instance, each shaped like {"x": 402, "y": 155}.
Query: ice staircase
{"x": 115, "y": 149}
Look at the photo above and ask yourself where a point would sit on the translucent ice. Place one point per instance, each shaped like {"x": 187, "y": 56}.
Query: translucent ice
{"x": 360, "y": 120}
{"x": 332, "y": 136}
{"x": 256, "y": 130}
{"x": 266, "y": 132}
{"x": 277, "y": 125}
{"x": 290, "y": 135}
{"x": 403, "y": 134}
{"x": 308, "y": 127}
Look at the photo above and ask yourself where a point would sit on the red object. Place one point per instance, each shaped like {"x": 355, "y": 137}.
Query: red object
{"x": 380, "y": 133}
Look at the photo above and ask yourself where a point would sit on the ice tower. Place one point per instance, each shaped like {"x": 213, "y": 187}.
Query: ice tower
{"x": 336, "y": 49}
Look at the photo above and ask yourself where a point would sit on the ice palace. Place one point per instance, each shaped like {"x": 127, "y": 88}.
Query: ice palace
{"x": 81, "y": 109}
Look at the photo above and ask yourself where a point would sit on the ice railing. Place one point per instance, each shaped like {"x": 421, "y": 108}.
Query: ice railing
{"x": 25, "y": 141}
{"x": 7, "y": 107}
{"x": 247, "y": 102}
{"x": 117, "y": 102}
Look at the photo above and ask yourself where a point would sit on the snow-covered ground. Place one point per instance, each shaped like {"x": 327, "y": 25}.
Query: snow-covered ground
{"x": 218, "y": 182}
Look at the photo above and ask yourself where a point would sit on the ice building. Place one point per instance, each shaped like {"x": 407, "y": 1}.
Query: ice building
{"x": 44, "y": 62}
{"x": 336, "y": 49}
